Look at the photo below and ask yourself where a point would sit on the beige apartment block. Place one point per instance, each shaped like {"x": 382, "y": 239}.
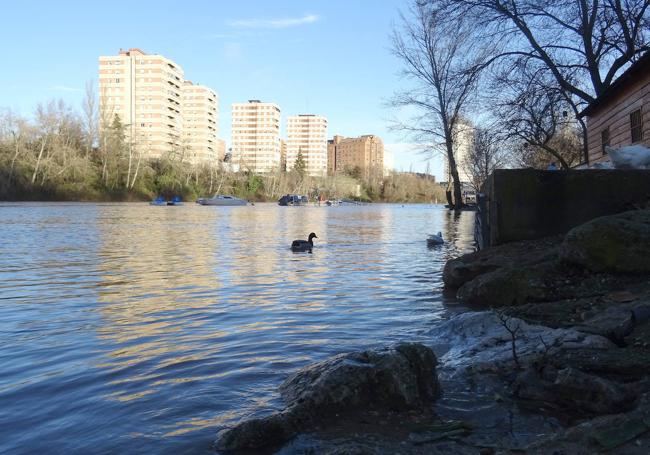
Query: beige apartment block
{"x": 200, "y": 124}
{"x": 256, "y": 136}
{"x": 145, "y": 91}
{"x": 162, "y": 114}
{"x": 365, "y": 153}
{"x": 221, "y": 149}
{"x": 307, "y": 134}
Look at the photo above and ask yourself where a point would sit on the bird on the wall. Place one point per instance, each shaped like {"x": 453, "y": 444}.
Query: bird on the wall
{"x": 629, "y": 157}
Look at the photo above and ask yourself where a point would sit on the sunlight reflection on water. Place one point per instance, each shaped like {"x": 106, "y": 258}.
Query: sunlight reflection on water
{"x": 134, "y": 329}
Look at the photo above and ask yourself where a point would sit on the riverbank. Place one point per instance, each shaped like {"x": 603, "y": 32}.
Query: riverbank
{"x": 171, "y": 178}
{"x": 554, "y": 360}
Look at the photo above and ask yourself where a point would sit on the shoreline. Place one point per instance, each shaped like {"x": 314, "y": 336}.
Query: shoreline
{"x": 560, "y": 365}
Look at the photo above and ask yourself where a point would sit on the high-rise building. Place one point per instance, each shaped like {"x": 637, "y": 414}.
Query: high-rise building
{"x": 159, "y": 111}
{"x": 200, "y": 124}
{"x": 364, "y": 154}
{"x": 221, "y": 149}
{"x": 307, "y": 135}
{"x": 256, "y": 136}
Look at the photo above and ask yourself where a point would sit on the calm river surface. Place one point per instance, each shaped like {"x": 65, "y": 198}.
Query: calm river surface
{"x": 126, "y": 328}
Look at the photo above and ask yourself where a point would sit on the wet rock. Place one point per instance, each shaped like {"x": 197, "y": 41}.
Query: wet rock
{"x": 467, "y": 267}
{"x": 618, "y": 243}
{"x": 480, "y": 342}
{"x": 614, "y": 323}
{"x": 622, "y": 364}
{"x": 508, "y": 286}
{"x": 626, "y": 433}
{"x": 574, "y": 391}
{"x": 251, "y": 434}
{"x": 397, "y": 378}
{"x": 641, "y": 313}
{"x": 351, "y": 449}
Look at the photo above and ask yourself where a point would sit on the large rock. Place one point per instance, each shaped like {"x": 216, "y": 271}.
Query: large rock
{"x": 509, "y": 286}
{"x": 614, "y": 323}
{"x": 469, "y": 266}
{"x": 397, "y": 378}
{"x": 479, "y": 341}
{"x": 618, "y": 243}
{"x": 574, "y": 391}
{"x": 625, "y": 433}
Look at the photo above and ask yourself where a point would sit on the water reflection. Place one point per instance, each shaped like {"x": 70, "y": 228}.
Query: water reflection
{"x": 145, "y": 329}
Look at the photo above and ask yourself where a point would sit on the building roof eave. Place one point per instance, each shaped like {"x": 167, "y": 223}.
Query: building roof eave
{"x": 639, "y": 67}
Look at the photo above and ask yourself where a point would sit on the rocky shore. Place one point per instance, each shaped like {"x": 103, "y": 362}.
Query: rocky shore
{"x": 555, "y": 359}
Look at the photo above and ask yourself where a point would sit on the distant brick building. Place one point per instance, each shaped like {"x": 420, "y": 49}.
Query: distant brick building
{"x": 616, "y": 117}
{"x": 366, "y": 153}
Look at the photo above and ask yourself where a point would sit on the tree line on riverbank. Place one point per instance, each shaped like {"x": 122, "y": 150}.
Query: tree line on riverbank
{"x": 63, "y": 154}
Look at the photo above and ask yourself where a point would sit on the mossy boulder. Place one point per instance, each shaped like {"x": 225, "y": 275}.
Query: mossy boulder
{"x": 399, "y": 378}
{"x": 459, "y": 271}
{"x": 616, "y": 244}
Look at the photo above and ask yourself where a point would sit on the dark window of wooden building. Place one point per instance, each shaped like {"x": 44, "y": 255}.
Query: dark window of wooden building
{"x": 604, "y": 138}
{"x": 636, "y": 126}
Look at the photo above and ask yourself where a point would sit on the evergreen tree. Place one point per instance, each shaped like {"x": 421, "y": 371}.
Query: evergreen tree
{"x": 299, "y": 165}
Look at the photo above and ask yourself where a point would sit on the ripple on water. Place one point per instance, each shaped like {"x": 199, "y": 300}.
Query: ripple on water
{"x": 137, "y": 329}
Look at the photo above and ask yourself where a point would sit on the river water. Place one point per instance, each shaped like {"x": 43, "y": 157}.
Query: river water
{"x": 126, "y": 328}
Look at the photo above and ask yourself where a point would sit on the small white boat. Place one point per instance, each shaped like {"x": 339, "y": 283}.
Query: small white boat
{"x": 220, "y": 199}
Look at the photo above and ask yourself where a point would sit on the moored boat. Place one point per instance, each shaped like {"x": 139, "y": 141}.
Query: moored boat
{"x": 160, "y": 201}
{"x": 293, "y": 199}
{"x": 222, "y": 200}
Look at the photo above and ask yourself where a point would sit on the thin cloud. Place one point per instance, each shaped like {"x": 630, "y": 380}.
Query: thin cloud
{"x": 65, "y": 88}
{"x": 275, "y": 23}
{"x": 232, "y": 50}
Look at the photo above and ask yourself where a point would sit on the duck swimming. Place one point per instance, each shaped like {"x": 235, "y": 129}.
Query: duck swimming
{"x": 435, "y": 239}
{"x": 299, "y": 246}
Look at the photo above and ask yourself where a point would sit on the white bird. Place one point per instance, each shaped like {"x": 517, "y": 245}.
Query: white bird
{"x": 435, "y": 239}
{"x": 629, "y": 157}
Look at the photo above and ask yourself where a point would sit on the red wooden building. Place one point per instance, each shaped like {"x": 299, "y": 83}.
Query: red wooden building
{"x": 619, "y": 116}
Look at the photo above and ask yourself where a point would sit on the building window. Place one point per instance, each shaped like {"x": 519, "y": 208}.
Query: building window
{"x": 604, "y": 138}
{"x": 636, "y": 126}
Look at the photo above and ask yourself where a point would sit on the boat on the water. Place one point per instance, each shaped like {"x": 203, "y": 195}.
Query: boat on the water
{"x": 221, "y": 199}
{"x": 176, "y": 200}
{"x": 293, "y": 199}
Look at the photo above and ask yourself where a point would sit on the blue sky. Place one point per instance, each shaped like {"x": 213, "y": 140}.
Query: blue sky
{"x": 322, "y": 57}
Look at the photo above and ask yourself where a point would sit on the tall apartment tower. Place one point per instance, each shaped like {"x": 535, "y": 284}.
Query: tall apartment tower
{"x": 256, "y": 136}
{"x": 365, "y": 153}
{"x": 200, "y": 123}
{"x": 145, "y": 91}
{"x": 307, "y": 134}
{"x": 161, "y": 112}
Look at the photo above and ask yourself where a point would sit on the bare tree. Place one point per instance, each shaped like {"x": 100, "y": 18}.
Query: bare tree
{"x": 90, "y": 115}
{"x": 485, "y": 155}
{"x": 532, "y": 111}
{"x": 582, "y": 45}
{"x": 442, "y": 62}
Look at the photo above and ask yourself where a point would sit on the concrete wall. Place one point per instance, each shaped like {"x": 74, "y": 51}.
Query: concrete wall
{"x": 527, "y": 204}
